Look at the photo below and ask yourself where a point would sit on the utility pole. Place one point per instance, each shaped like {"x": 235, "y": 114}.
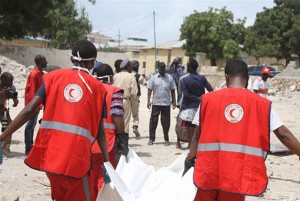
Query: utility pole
{"x": 155, "y": 51}
{"x": 119, "y": 35}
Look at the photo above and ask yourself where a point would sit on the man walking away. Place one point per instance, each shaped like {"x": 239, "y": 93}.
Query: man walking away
{"x": 136, "y": 102}
{"x": 126, "y": 81}
{"x": 232, "y": 140}
{"x": 193, "y": 87}
{"x": 72, "y": 122}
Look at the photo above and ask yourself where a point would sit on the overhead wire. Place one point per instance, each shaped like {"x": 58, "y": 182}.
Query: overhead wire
{"x": 118, "y": 27}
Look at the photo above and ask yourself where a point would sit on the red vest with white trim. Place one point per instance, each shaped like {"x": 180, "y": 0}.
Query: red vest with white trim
{"x": 234, "y": 142}
{"x": 70, "y": 124}
{"x": 110, "y": 128}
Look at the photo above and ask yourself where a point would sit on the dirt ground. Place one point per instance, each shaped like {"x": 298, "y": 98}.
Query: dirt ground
{"x": 19, "y": 182}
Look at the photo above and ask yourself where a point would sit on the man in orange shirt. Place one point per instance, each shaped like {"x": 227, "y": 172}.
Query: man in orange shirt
{"x": 34, "y": 82}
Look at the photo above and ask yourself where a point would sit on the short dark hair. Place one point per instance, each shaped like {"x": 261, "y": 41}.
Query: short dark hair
{"x": 85, "y": 49}
{"x": 117, "y": 65}
{"x": 103, "y": 70}
{"x": 135, "y": 65}
{"x": 5, "y": 75}
{"x": 161, "y": 64}
{"x": 236, "y": 67}
{"x": 193, "y": 64}
{"x": 38, "y": 58}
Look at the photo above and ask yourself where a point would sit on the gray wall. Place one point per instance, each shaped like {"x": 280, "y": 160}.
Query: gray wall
{"x": 61, "y": 58}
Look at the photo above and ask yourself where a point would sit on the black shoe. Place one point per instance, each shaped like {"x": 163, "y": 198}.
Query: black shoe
{"x": 167, "y": 143}
{"x": 27, "y": 152}
{"x": 150, "y": 142}
{"x": 136, "y": 132}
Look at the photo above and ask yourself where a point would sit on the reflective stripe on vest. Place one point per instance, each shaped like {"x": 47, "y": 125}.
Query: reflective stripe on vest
{"x": 109, "y": 126}
{"x": 86, "y": 188}
{"x": 233, "y": 148}
{"x": 77, "y": 130}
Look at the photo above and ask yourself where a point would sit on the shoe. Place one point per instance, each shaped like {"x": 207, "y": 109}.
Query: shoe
{"x": 167, "y": 143}
{"x": 136, "y": 132}
{"x": 7, "y": 153}
{"x": 150, "y": 142}
{"x": 27, "y": 150}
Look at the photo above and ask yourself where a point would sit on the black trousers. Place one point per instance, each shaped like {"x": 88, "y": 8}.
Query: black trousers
{"x": 164, "y": 119}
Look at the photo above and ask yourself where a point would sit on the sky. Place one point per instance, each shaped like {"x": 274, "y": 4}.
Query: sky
{"x": 135, "y": 18}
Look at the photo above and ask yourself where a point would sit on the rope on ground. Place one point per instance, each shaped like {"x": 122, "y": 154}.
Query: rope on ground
{"x": 282, "y": 179}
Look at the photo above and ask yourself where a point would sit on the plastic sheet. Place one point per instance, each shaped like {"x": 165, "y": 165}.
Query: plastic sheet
{"x": 136, "y": 181}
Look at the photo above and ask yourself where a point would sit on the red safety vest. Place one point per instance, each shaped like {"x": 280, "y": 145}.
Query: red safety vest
{"x": 234, "y": 142}
{"x": 110, "y": 128}
{"x": 70, "y": 124}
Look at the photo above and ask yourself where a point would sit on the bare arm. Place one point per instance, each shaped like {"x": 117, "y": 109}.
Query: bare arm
{"x": 173, "y": 98}
{"x": 288, "y": 139}
{"x": 22, "y": 117}
{"x": 119, "y": 122}
{"x": 148, "y": 98}
{"x": 101, "y": 139}
{"x": 194, "y": 143}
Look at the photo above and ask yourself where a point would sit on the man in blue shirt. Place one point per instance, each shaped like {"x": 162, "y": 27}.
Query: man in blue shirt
{"x": 193, "y": 87}
{"x": 163, "y": 87}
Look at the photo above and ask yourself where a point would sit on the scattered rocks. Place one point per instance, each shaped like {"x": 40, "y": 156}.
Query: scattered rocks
{"x": 19, "y": 71}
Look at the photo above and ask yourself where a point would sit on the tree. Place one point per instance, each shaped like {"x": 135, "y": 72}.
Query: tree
{"x": 38, "y": 17}
{"x": 67, "y": 26}
{"x": 209, "y": 32}
{"x": 275, "y": 31}
{"x": 26, "y": 17}
{"x": 231, "y": 49}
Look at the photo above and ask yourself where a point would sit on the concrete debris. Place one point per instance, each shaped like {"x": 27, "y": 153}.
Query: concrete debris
{"x": 19, "y": 71}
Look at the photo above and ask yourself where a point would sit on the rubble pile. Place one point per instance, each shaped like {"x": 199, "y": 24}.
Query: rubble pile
{"x": 280, "y": 84}
{"x": 19, "y": 71}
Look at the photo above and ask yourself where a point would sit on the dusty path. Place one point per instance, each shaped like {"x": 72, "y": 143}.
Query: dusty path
{"x": 17, "y": 181}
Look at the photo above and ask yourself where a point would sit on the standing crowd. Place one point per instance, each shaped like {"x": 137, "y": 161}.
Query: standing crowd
{"x": 87, "y": 110}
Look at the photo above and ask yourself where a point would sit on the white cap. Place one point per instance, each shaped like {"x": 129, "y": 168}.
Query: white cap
{"x": 124, "y": 63}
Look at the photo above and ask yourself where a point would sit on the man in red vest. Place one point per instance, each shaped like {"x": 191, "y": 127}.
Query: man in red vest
{"x": 34, "y": 82}
{"x": 231, "y": 141}
{"x": 117, "y": 139}
{"x": 73, "y": 120}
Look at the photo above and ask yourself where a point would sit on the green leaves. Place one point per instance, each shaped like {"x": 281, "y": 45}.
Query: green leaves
{"x": 58, "y": 20}
{"x": 210, "y": 31}
{"x": 275, "y": 32}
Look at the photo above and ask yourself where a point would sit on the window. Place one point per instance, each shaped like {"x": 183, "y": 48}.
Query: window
{"x": 259, "y": 68}
{"x": 180, "y": 60}
{"x": 250, "y": 69}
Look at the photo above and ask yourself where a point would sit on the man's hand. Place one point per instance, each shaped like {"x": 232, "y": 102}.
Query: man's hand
{"x": 16, "y": 102}
{"x": 173, "y": 105}
{"x": 149, "y": 105}
{"x": 1, "y": 154}
{"x": 105, "y": 175}
{"x": 123, "y": 142}
{"x": 188, "y": 163}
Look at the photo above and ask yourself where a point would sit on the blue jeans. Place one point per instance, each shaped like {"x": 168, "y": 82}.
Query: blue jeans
{"x": 29, "y": 131}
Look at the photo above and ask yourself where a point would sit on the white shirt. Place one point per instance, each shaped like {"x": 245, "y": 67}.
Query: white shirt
{"x": 275, "y": 121}
{"x": 261, "y": 86}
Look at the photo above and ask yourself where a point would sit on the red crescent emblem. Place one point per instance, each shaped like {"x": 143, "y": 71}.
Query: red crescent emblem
{"x": 231, "y": 113}
{"x": 70, "y": 93}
